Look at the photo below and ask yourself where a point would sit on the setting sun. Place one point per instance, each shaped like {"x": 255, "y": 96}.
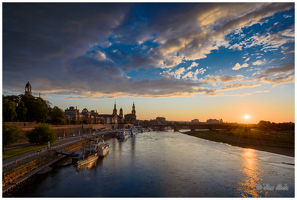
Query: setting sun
{"x": 246, "y": 117}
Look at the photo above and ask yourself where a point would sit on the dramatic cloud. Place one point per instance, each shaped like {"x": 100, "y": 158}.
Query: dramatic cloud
{"x": 100, "y": 56}
{"x": 180, "y": 70}
{"x": 276, "y": 71}
{"x": 272, "y": 41}
{"x": 234, "y": 86}
{"x": 279, "y": 80}
{"x": 217, "y": 79}
{"x": 194, "y": 64}
{"x": 260, "y": 62}
{"x": 238, "y": 66}
{"x": 238, "y": 95}
{"x": 261, "y": 91}
{"x": 193, "y": 75}
{"x": 286, "y": 68}
{"x": 107, "y": 50}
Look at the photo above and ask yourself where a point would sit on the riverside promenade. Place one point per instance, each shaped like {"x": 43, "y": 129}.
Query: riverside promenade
{"x": 24, "y": 158}
{"x": 64, "y": 141}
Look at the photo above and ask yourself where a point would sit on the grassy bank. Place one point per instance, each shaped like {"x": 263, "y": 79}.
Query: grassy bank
{"x": 260, "y": 140}
{"x": 18, "y": 151}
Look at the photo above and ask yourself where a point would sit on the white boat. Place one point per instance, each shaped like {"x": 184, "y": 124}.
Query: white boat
{"x": 123, "y": 134}
{"x": 133, "y": 131}
{"x": 101, "y": 148}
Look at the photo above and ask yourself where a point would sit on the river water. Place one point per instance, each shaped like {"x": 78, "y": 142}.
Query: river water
{"x": 171, "y": 164}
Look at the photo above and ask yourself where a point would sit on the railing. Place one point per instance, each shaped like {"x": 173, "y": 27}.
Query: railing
{"x": 41, "y": 151}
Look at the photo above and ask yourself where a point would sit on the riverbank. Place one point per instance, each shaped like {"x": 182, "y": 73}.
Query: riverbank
{"x": 273, "y": 146}
{"x": 22, "y": 173}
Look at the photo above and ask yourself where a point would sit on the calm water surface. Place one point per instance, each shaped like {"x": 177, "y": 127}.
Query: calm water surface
{"x": 171, "y": 164}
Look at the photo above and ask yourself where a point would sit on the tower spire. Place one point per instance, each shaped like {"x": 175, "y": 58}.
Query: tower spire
{"x": 114, "y": 112}
{"x": 133, "y": 109}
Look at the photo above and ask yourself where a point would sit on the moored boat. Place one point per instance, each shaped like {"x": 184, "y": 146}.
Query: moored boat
{"x": 87, "y": 159}
{"x": 133, "y": 131}
{"x": 123, "y": 134}
{"x": 101, "y": 148}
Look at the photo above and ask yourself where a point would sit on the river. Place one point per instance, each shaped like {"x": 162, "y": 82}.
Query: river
{"x": 171, "y": 164}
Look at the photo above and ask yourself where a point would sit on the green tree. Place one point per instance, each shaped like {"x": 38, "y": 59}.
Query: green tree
{"x": 41, "y": 112}
{"x": 14, "y": 98}
{"x": 9, "y": 110}
{"x": 42, "y": 134}
{"x": 68, "y": 121}
{"x": 169, "y": 123}
{"x": 264, "y": 125}
{"x": 11, "y": 135}
{"x": 58, "y": 116}
{"x": 37, "y": 108}
{"x": 21, "y": 111}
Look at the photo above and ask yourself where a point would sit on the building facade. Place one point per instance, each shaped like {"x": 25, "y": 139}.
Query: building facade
{"x": 91, "y": 117}
{"x": 214, "y": 121}
{"x": 161, "y": 120}
{"x": 131, "y": 117}
{"x": 194, "y": 121}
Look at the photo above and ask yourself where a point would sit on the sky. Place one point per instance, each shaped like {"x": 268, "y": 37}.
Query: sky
{"x": 181, "y": 61}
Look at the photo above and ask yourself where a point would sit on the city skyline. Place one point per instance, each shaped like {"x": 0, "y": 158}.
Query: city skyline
{"x": 181, "y": 61}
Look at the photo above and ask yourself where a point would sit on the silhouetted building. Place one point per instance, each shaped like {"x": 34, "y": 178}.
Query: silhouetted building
{"x": 28, "y": 89}
{"x": 131, "y": 118}
{"x": 74, "y": 114}
{"x": 114, "y": 112}
{"x": 161, "y": 119}
{"x": 214, "y": 121}
{"x": 121, "y": 116}
{"x": 195, "y": 121}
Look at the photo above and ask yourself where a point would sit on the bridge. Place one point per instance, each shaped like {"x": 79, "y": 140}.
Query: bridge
{"x": 213, "y": 126}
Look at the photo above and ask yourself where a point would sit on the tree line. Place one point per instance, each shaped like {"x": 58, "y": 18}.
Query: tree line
{"x": 27, "y": 108}
{"x": 267, "y": 125}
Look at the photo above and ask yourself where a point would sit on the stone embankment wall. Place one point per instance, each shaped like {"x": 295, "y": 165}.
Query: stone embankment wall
{"x": 60, "y": 129}
{"x": 15, "y": 174}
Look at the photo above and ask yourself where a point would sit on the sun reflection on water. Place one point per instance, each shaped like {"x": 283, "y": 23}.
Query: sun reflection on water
{"x": 252, "y": 174}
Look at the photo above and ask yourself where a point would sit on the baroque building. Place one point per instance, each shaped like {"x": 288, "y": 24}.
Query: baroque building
{"x": 114, "y": 112}
{"x": 131, "y": 118}
{"x": 121, "y": 116}
{"x": 91, "y": 117}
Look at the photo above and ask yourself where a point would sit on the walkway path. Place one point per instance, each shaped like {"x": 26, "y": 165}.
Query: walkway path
{"x": 63, "y": 142}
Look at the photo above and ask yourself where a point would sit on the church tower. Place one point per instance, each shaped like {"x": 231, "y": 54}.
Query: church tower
{"x": 121, "y": 113}
{"x": 133, "y": 110}
{"x": 28, "y": 89}
{"x": 121, "y": 116}
{"x": 114, "y": 110}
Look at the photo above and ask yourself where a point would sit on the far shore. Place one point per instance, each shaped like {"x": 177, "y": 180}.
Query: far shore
{"x": 282, "y": 148}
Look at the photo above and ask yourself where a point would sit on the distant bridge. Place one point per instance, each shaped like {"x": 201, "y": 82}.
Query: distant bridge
{"x": 193, "y": 127}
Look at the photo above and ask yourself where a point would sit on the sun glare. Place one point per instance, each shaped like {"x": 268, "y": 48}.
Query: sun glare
{"x": 246, "y": 117}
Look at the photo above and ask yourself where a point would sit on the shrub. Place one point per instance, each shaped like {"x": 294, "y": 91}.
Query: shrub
{"x": 11, "y": 134}
{"x": 42, "y": 134}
